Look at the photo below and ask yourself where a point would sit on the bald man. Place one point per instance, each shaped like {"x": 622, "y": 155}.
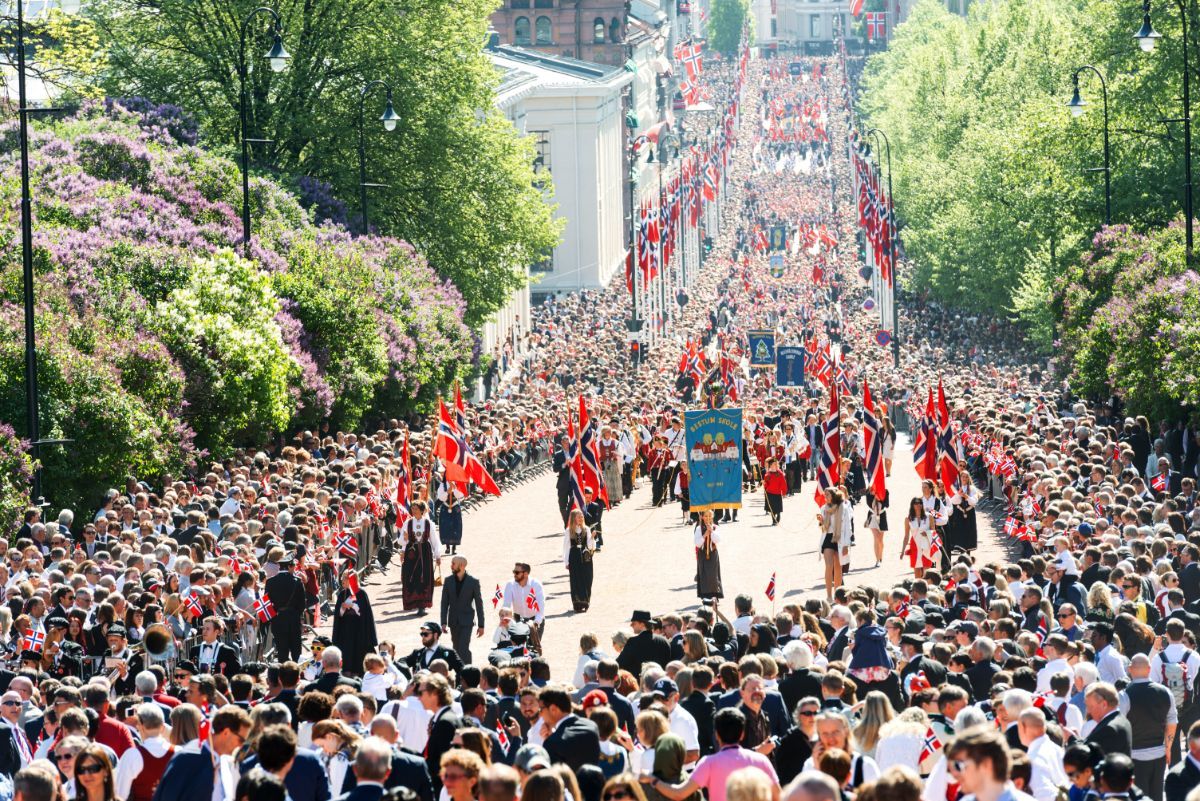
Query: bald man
{"x": 1153, "y": 719}
{"x": 462, "y": 605}
{"x": 1045, "y": 756}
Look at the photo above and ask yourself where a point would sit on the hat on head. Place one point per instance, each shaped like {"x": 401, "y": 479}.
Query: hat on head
{"x": 594, "y": 699}
{"x": 322, "y": 640}
{"x": 31, "y": 656}
{"x": 530, "y": 758}
{"x": 915, "y": 640}
{"x": 57, "y": 622}
{"x": 640, "y": 616}
{"x": 1086, "y": 529}
{"x": 187, "y": 666}
{"x": 518, "y": 629}
{"x": 117, "y": 630}
{"x": 966, "y": 627}
{"x": 432, "y": 626}
{"x": 665, "y": 687}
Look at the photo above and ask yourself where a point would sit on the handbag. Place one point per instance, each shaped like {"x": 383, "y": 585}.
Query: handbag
{"x": 586, "y": 555}
{"x": 437, "y": 579}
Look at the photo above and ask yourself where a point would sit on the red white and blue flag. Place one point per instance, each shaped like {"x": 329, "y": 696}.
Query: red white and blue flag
{"x": 771, "y": 589}
{"x": 829, "y": 471}
{"x": 497, "y": 596}
{"x": 264, "y": 609}
{"x": 873, "y": 443}
{"x": 33, "y": 641}
{"x": 930, "y": 745}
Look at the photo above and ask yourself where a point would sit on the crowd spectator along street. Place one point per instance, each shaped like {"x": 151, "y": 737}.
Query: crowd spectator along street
{"x": 164, "y": 647}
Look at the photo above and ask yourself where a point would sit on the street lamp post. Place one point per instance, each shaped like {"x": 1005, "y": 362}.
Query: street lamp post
{"x": 891, "y": 222}
{"x": 1147, "y": 38}
{"x": 277, "y": 57}
{"x": 635, "y": 318}
{"x": 1077, "y": 106}
{"x": 389, "y": 118}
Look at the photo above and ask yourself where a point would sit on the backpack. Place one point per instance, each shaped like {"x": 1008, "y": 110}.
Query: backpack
{"x": 1185, "y": 688}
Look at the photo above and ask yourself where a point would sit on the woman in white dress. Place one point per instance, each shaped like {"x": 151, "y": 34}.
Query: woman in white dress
{"x": 918, "y": 543}
{"x": 836, "y": 530}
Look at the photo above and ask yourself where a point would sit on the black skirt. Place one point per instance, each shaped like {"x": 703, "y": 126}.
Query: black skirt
{"x": 581, "y": 578}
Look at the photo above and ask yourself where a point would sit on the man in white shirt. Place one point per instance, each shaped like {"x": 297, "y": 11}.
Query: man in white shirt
{"x": 525, "y": 596}
{"x": 1054, "y": 649}
{"x": 681, "y": 721}
{"x": 150, "y": 725}
{"x": 1045, "y": 757}
{"x": 1109, "y": 662}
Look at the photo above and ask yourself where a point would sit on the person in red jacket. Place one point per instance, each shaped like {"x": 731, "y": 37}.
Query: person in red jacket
{"x": 774, "y": 488}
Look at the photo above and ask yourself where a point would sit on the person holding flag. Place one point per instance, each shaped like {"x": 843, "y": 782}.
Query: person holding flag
{"x": 874, "y": 470}
{"x": 962, "y": 532}
{"x": 527, "y": 598}
{"x": 706, "y": 537}
{"x": 353, "y": 623}
{"x": 422, "y": 552}
{"x": 450, "y": 525}
{"x": 578, "y": 547}
{"x": 919, "y": 527}
{"x": 775, "y": 486}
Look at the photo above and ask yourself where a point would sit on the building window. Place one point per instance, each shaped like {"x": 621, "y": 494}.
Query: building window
{"x": 541, "y": 150}
{"x": 814, "y": 26}
{"x": 598, "y": 30}
{"x": 521, "y": 31}
{"x": 774, "y": 27}
{"x": 543, "y": 3}
{"x": 543, "y": 31}
{"x": 614, "y": 30}
{"x": 519, "y": 4}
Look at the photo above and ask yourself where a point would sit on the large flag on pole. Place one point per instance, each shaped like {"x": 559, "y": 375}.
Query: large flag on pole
{"x": 873, "y": 442}
{"x": 947, "y": 453}
{"x": 828, "y": 473}
{"x": 461, "y": 464}
{"x": 925, "y": 447}
{"x": 589, "y": 455}
{"x": 574, "y": 467}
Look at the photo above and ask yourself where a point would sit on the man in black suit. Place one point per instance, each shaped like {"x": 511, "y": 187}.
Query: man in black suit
{"x": 187, "y": 535}
{"x": 421, "y": 658}
{"x": 461, "y": 596}
{"x": 1093, "y": 569}
{"x": 1176, "y": 611}
{"x": 408, "y": 768}
{"x": 331, "y": 673}
{"x": 563, "y": 483}
{"x": 1189, "y": 573}
{"x": 434, "y": 694}
{"x": 190, "y": 774}
{"x": 287, "y": 595}
{"x": 371, "y": 768}
{"x": 912, "y": 648}
{"x": 275, "y": 752}
{"x": 286, "y": 678}
{"x": 980, "y": 674}
{"x": 1113, "y": 734}
{"x": 573, "y": 740}
{"x": 701, "y": 707}
{"x": 644, "y": 646}
{"x": 212, "y": 655}
{"x": 840, "y": 620}
{"x": 1185, "y": 774}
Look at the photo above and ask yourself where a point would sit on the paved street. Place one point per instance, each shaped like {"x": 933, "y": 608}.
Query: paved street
{"x": 648, "y": 562}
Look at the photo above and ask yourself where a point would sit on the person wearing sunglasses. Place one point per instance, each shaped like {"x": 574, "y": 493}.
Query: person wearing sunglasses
{"x": 93, "y": 775}
{"x": 460, "y": 771}
{"x": 622, "y": 788}
{"x": 190, "y": 775}
{"x": 796, "y": 746}
{"x": 64, "y": 757}
{"x": 978, "y": 760}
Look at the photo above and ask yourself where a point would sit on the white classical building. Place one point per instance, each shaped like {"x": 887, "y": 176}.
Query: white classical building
{"x": 573, "y": 110}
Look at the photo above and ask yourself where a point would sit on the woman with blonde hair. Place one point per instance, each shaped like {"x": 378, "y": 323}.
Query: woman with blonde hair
{"x": 578, "y": 546}
{"x": 875, "y": 713}
{"x": 902, "y": 739}
{"x": 338, "y": 746}
{"x": 650, "y": 725}
{"x": 1100, "y": 605}
{"x": 833, "y": 731}
{"x": 748, "y": 784}
{"x": 695, "y": 648}
{"x": 834, "y": 520}
{"x": 459, "y": 772}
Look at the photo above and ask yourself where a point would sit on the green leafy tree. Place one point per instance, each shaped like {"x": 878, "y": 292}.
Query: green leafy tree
{"x": 726, "y": 21}
{"x": 460, "y": 179}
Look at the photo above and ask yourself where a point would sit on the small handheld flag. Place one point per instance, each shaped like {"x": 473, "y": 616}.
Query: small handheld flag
{"x": 347, "y": 546}
{"x": 531, "y": 601}
{"x": 497, "y": 597}
{"x": 33, "y": 641}
{"x": 192, "y": 602}
{"x": 771, "y": 589}
{"x": 264, "y": 609}
{"x": 930, "y": 746}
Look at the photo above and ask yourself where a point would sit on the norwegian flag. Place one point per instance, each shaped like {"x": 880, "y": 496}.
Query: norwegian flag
{"x": 461, "y": 464}
{"x": 531, "y": 601}
{"x": 873, "y": 443}
{"x": 590, "y": 455}
{"x": 930, "y": 745}
{"x": 264, "y": 609}
{"x": 192, "y": 603}
{"x": 502, "y": 738}
{"x": 690, "y": 92}
{"x": 323, "y": 523}
{"x": 856, "y": 8}
{"x": 352, "y": 584}
{"x": 373, "y": 503}
{"x": 902, "y": 610}
{"x": 460, "y": 410}
{"x": 947, "y": 455}
{"x": 1012, "y": 527}
{"x": 1159, "y": 483}
{"x": 692, "y": 61}
{"x": 771, "y": 589}
{"x": 925, "y": 447}
{"x": 710, "y": 182}
{"x": 1043, "y": 628}
{"x": 497, "y": 596}
{"x": 574, "y": 464}
{"x": 935, "y": 540}
{"x": 876, "y": 25}
{"x": 33, "y": 641}
{"x": 829, "y": 472}
{"x": 346, "y": 545}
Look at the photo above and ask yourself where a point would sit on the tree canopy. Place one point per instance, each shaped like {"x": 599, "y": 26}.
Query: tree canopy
{"x": 460, "y": 183}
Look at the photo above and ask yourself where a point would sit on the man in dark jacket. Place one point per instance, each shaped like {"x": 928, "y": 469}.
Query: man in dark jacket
{"x": 435, "y": 696}
{"x": 1185, "y": 774}
{"x": 287, "y": 595}
{"x": 462, "y": 605}
{"x": 645, "y": 646}
{"x": 1113, "y": 734}
{"x": 190, "y": 773}
{"x": 573, "y": 740}
{"x": 701, "y": 707}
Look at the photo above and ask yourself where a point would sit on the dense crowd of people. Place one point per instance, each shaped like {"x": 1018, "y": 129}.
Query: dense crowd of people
{"x": 159, "y": 646}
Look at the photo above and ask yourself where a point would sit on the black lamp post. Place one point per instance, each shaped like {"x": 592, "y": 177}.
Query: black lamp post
{"x": 389, "y": 118}
{"x": 1077, "y": 106}
{"x": 278, "y": 58}
{"x": 32, "y": 424}
{"x": 1147, "y": 38}
{"x": 891, "y": 223}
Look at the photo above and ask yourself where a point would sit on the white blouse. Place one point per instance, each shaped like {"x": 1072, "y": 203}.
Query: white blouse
{"x": 568, "y": 538}
{"x": 420, "y": 526}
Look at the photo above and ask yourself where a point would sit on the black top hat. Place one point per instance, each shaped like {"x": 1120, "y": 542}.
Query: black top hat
{"x": 640, "y": 616}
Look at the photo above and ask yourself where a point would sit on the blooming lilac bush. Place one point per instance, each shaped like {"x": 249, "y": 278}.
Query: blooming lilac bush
{"x": 16, "y": 479}
{"x": 1129, "y": 313}
{"x": 157, "y": 343}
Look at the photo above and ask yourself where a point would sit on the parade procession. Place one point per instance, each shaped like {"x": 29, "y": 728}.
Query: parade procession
{"x": 765, "y": 474}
